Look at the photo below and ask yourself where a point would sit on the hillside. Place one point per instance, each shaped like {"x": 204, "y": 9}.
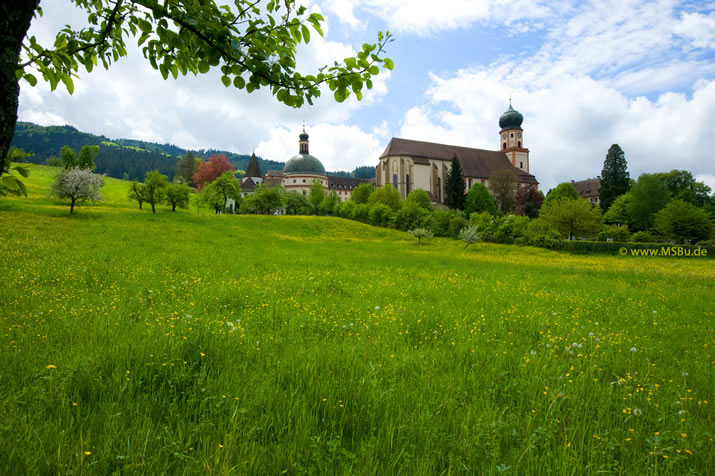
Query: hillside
{"x": 116, "y": 156}
{"x": 190, "y": 343}
{"x": 134, "y": 158}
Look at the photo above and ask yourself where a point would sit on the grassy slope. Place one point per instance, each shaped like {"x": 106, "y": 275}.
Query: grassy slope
{"x": 253, "y": 344}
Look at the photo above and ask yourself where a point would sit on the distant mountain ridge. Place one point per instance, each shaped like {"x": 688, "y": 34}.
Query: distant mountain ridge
{"x": 116, "y": 157}
{"x": 134, "y": 158}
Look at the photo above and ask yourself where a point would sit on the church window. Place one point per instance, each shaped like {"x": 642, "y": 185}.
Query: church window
{"x": 394, "y": 180}
{"x": 512, "y": 135}
{"x": 439, "y": 189}
{"x": 521, "y": 165}
{"x": 519, "y": 143}
{"x": 293, "y": 180}
{"x": 504, "y": 145}
{"x": 303, "y": 180}
{"x": 407, "y": 181}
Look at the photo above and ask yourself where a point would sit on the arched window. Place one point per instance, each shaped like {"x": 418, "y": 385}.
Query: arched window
{"x": 439, "y": 189}
{"x": 504, "y": 145}
{"x": 519, "y": 143}
{"x": 521, "y": 165}
{"x": 407, "y": 181}
{"x": 394, "y": 180}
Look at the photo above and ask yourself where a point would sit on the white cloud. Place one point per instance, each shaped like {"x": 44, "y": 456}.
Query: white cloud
{"x": 697, "y": 27}
{"x": 425, "y": 17}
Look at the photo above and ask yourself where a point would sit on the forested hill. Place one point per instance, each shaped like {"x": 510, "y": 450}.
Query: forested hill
{"x": 116, "y": 157}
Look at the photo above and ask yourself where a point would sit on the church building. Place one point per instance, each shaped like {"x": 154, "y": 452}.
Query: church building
{"x": 410, "y": 164}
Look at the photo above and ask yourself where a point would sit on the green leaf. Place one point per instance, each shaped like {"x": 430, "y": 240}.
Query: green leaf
{"x": 226, "y": 81}
{"x": 67, "y": 79}
{"x": 306, "y": 33}
{"x": 340, "y": 94}
{"x": 144, "y": 25}
{"x": 204, "y": 67}
{"x": 351, "y": 63}
{"x": 239, "y": 82}
{"x": 19, "y": 73}
{"x": 373, "y": 70}
{"x": 10, "y": 183}
{"x": 22, "y": 170}
{"x": 389, "y": 64}
{"x": 30, "y": 79}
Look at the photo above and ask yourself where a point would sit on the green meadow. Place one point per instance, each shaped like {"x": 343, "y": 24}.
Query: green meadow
{"x": 190, "y": 343}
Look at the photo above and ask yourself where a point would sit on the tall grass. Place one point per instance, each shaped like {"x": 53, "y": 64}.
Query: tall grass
{"x": 193, "y": 343}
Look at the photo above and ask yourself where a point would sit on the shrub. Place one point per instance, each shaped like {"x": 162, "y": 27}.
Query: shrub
{"x": 421, "y": 234}
{"x": 361, "y": 193}
{"x": 683, "y": 221}
{"x": 511, "y": 227}
{"x": 456, "y": 225}
{"x": 421, "y": 199}
{"x": 410, "y": 216}
{"x": 469, "y": 235}
{"x": 614, "y": 233}
{"x": 380, "y": 214}
{"x": 361, "y": 212}
{"x": 345, "y": 209}
{"x": 642, "y": 237}
{"x": 439, "y": 222}
{"x": 387, "y": 195}
{"x": 479, "y": 200}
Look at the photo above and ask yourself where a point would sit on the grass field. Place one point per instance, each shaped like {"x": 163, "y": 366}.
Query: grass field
{"x": 194, "y": 343}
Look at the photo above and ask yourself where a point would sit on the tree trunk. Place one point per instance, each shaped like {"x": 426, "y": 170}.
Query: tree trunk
{"x": 15, "y": 18}
{"x": 140, "y": 204}
{"x": 173, "y": 207}
{"x": 153, "y": 208}
{"x": 72, "y": 206}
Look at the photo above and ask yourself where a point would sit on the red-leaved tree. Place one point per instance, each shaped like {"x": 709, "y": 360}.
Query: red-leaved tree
{"x": 209, "y": 171}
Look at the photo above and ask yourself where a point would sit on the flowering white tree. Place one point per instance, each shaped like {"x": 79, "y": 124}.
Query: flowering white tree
{"x": 77, "y": 185}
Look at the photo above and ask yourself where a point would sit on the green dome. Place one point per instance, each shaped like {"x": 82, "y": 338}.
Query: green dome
{"x": 304, "y": 164}
{"x": 511, "y": 119}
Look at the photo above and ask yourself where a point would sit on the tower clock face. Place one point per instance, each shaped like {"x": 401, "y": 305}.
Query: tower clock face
{"x": 503, "y": 136}
{"x": 518, "y": 134}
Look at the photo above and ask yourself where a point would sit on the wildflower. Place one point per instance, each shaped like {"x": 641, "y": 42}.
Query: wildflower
{"x": 683, "y": 435}
{"x": 533, "y": 352}
{"x": 596, "y": 323}
{"x": 637, "y": 412}
{"x": 377, "y": 308}
{"x": 202, "y": 354}
{"x": 684, "y": 374}
{"x": 50, "y": 366}
{"x": 87, "y": 453}
{"x": 229, "y": 324}
{"x": 633, "y": 349}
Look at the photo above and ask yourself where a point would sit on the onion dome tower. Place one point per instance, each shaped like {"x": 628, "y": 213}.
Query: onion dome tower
{"x": 511, "y": 138}
{"x": 303, "y": 169}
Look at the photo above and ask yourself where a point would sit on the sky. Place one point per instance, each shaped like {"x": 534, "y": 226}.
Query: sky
{"x": 584, "y": 74}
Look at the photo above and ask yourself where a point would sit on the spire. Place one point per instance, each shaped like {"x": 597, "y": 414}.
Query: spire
{"x": 303, "y": 142}
{"x": 253, "y": 169}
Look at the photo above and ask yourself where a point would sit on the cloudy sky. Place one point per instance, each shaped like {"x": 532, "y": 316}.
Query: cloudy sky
{"x": 585, "y": 75}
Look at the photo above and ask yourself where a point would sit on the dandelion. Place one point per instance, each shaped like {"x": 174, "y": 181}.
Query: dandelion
{"x": 202, "y": 354}
{"x": 533, "y": 352}
{"x": 633, "y": 349}
{"x": 637, "y": 412}
{"x": 87, "y": 453}
{"x": 683, "y": 435}
{"x": 580, "y": 345}
{"x": 229, "y": 324}
{"x": 50, "y": 366}
{"x": 575, "y": 344}
{"x": 377, "y": 308}
{"x": 684, "y": 374}
{"x": 590, "y": 334}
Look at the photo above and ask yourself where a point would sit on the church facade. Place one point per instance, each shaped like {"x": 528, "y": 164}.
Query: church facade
{"x": 410, "y": 164}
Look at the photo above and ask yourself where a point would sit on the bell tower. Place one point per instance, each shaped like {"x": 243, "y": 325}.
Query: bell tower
{"x": 511, "y": 138}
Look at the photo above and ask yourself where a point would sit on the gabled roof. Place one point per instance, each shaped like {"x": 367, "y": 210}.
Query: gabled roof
{"x": 248, "y": 185}
{"x": 478, "y": 163}
{"x": 347, "y": 183}
{"x": 588, "y": 188}
{"x": 253, "y": 169}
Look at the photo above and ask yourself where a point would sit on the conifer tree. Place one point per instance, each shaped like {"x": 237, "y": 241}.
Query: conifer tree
{"x": 454, "y": 186}
{"x": 615, "y": 180}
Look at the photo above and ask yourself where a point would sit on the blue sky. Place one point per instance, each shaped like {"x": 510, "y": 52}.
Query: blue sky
{"x": 585, "y": 75}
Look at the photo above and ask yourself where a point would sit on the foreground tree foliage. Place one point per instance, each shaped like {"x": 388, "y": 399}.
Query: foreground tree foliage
{"x": 137, "y": 191}
{"x": 77, "y": 185}
{"x": 361, "y": 193}
{"x": 571, "y": 218}
{"x": 155, "y": 188}
{"x": 454, "y": 186}
{"x": 177, "y": 195}
{"x": 210, "y": 170}
{"x": 252, "y": 43}
{"x": 648, "y": 196}
{"x": 227, "y": 187}
{"x": 479, "y": 200}
{"x": 563, "y": 191}
{"x": 615, "y": 179}
{"x": 503, "y": 184}
{"x": 683, "y": 221}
